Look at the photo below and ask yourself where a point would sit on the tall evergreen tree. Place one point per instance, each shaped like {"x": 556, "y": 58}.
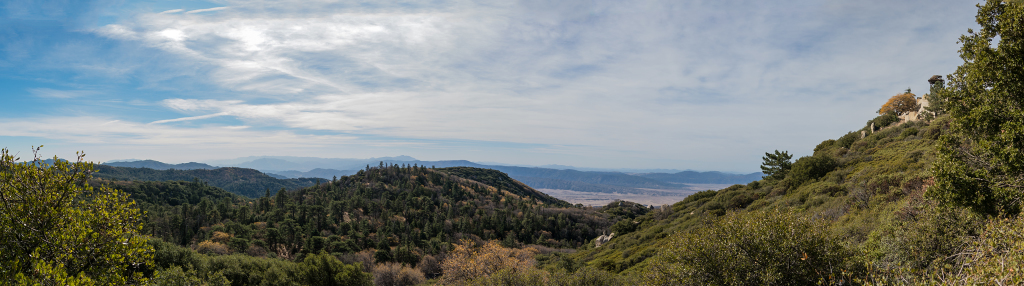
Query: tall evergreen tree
{"x": 777, "y": 165}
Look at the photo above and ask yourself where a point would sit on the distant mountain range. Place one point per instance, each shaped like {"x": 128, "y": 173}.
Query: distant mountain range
{"x": 304, "y": 164}
{"x": 285, "y": 167}
{"x": 157, "y": 165}
{"x": 242, "y": 181}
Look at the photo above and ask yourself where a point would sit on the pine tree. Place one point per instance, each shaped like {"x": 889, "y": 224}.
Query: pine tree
{"x": 777, "y": 165}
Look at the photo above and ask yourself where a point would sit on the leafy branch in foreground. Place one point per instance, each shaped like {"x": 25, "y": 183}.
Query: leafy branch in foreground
{"x": 55, "y": 229}
{"x": 981, "y": 159}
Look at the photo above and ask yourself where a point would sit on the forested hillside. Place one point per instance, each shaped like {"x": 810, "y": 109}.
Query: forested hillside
{"x": 245, "y": 182}
{"x": 402, "y": 213}
{"x": 172, "y": 193}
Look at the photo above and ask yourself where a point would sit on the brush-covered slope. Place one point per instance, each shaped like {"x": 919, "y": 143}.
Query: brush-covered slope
{"x": 860, "y": 186}
{"x": 247, "y": 182}
{"x": 400, "y": 213}
{"x": 502, "y": 181}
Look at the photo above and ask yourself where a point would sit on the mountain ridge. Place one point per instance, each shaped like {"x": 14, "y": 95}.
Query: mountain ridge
{"x": 246, "y": 182}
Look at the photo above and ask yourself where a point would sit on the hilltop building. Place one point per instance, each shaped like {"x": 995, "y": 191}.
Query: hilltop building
{"x": 922, "y": 102}
{"x": 916, "y": 115}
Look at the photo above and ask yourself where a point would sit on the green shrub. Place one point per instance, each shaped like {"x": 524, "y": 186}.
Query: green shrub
{"x": 755, "y": 248}
{"x": 824, "y": 145}
{"x": 883, "y": 120}
{"x": 827, "y": 188}
{"x": 167, "y": 254}
{"x": 754, "y": 185}
{"x": 589, "y": 276}
{"x": 920, "y": 235}
{"x": 699, "y": 195}
{"x": 625, "y": 226}
{"x": 909, "y": 132}
{"x": 175, "y": 276}
{"x": 847, "y": 140}
{"x": 812, "y": 167}
{"x": 324, "y": 269}
{"x": 995, "y": 258}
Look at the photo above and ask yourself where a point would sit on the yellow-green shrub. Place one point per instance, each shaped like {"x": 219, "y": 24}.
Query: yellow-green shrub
{"x": 755, "y": 248}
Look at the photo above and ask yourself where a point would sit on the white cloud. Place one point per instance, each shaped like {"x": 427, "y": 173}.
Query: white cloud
{"x": 99, "y": 130}
{"x": 206, "y": 10}
{"x": 190, "y": 118}
{"x": 713, "y": 83}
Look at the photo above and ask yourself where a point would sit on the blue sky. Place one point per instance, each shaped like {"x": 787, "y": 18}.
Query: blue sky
{"x": 705, "y": 85}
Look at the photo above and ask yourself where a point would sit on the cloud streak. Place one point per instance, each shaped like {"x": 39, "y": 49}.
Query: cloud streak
{"x": 206, "y": 10}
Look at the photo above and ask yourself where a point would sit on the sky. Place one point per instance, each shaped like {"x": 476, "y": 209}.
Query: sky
{"x": 677, "y": 84}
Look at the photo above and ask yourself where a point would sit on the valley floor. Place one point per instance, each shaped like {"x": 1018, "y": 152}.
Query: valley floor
{"x": 658, "y": 197}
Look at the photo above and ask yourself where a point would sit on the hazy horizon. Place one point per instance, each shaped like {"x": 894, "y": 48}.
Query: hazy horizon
{"x": 242, "y": 160}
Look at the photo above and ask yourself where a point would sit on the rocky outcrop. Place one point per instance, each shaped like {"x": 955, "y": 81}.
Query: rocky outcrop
{"x": 603, "y": 239}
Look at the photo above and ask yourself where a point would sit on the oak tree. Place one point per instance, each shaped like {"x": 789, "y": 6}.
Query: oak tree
{"x": 900, "y": 104}
{"x": 55, "y": 229}
{"x": 981, "y": 159}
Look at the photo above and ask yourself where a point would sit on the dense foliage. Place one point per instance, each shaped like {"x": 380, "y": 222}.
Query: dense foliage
{"x": 900, "y": 104}
{"x": 982, "y": 157}
{"x": 55, "y": 229}
{"x": 401, "y": 213}
{"x": 766, "y": 248}
{"x": 172, "y": 193}
{"x": 180, "y": 264}
{"x": 776, "y": 165}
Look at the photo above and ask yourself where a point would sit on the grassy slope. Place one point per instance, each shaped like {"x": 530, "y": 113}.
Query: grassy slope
{"x": 876, "y": 177}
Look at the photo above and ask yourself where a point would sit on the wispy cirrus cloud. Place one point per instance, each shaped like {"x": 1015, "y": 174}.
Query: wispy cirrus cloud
{"x": 64, "y": 94}
{"x": 206, "y": 10}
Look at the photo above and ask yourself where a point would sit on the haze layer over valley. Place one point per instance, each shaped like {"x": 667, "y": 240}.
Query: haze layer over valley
{"x": 582, "y": 187}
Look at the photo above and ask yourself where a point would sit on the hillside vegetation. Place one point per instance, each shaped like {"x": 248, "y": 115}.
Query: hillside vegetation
{"x": 399, "y": 213}
{"x": 859, "y": 186}
{"x": 932, "y": 201}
